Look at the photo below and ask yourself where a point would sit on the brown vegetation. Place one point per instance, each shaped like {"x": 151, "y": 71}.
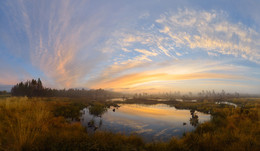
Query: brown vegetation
{"x": 38, "y": 124}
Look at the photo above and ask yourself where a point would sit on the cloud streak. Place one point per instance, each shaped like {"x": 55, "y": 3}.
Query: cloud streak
{"x": 212, "y": 32}
{"x": 86, "y": 44}
{"x": 164, "y": 75}
{"x": 60, "y": 42}
{"x": 178, "y": 35}
{"x": 133, "y": 80}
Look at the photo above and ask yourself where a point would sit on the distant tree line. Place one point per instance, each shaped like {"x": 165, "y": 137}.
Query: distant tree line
{"x": 35, "y": 88}
{"x": 3, "y": 92}
{"x": 28, "y": 88}
{"x": 220, "y": 95}
{"x": 204, "y": 94}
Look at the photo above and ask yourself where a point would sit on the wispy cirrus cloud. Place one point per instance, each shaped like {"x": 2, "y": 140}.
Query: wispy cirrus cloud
{"x": 175, "y": 36}
{"x": 132, "y": 80}
{"x": 178, "y": 33}
{"x": 160, "y": 75}
{"x": 212, "y": 32}
{"x": 62, "y": 52}
{"x": 60, "y": 37}
{"x": 86, "y": 44}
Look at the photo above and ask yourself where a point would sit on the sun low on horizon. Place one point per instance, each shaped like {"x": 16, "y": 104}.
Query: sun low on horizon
{"x": 132, "y": 46}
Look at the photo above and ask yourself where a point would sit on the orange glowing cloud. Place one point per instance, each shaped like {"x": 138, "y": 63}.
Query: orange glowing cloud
{"x": 137, "y": 79}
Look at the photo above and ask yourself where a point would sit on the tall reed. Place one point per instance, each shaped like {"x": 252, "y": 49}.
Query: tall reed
{"x": 22, "y": 120}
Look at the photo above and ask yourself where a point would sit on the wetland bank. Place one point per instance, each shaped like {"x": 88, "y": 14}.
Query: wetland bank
{"x": 48, "y": 123}
{"x": 129, "y": 75}
{"x": 36, "y": 118}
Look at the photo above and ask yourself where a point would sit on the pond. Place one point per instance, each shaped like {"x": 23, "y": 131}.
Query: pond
{"x": 153, "y": 122}
{"x": 227, "y": 103}
{"x": 116, "y": 99}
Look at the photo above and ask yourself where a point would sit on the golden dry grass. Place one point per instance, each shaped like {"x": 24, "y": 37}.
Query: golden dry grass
{"x": 31, "y": 124}
{"x": 22, "y": 121}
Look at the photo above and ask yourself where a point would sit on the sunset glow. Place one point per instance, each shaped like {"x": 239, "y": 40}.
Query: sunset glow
{"x": 132, "y": 46}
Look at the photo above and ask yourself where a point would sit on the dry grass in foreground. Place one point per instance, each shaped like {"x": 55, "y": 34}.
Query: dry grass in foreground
{"x": 40, "y": 124}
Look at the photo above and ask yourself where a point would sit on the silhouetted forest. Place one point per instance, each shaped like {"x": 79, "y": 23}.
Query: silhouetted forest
{"x": 35, "y": 88}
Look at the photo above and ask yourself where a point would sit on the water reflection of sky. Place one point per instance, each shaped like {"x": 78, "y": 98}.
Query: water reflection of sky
{"x": 153, "y": 122}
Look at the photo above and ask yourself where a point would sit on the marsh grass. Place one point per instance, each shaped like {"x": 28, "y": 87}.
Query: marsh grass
{"x": 97, "y": 109}
{"x": 32, "y": 124}
{"x": 22, "y": 122}
{"x": 2, "y": 96}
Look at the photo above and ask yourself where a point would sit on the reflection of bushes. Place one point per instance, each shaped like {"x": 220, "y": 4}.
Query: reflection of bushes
{"x": 194, "y": 120}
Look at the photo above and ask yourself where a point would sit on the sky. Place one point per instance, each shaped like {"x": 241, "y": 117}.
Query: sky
{"x": 132, "y": 45}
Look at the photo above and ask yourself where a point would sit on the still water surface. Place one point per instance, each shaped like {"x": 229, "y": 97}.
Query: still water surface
{"x": 152, "y": 122}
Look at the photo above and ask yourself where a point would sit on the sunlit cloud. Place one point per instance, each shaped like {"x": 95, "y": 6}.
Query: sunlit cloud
{"x": 59, "y": 42}
{"x": 212, "y": 32}
{"x": 152, "y": 77}
{"x": 66, "y": 46}
{"x": 146, "y": 52}
{"x": 176, "y": 35}
{"x": 86, "y": 44}
{"x": 139, "y": 78}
